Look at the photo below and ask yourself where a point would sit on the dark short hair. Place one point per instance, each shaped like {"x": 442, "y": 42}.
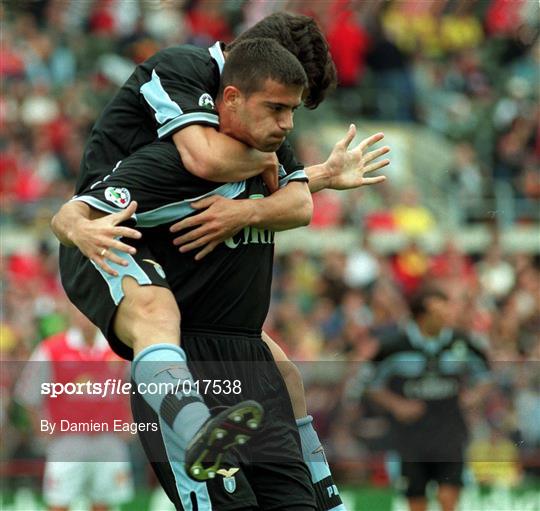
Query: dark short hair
{"x": 418, "y": 301}
{"x": 253, "y": 61}
{"x": 303, "y": 38}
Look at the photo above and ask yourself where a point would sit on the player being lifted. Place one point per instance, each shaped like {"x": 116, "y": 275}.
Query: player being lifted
{"x": 422, "y": 371}
{"x": 173, "y": 93}
{"x": 224, "y": 298}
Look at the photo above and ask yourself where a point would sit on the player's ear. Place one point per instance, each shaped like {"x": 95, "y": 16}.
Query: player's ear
{"x": 231, "y": 96}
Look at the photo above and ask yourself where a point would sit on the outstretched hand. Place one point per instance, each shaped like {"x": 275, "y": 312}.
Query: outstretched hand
{"x": 348, "y": 167}
{"x": 97, "y": 238}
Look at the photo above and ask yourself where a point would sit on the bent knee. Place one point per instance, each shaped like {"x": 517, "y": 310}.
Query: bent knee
{"x": 147, "y": 313}
{"x": 149, "y": 302}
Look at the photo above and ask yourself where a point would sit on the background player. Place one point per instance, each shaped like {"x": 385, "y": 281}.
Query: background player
{"x": 225, "y": 300}
{"x": 92, "y": 465}
{"x": 420, "y": 373}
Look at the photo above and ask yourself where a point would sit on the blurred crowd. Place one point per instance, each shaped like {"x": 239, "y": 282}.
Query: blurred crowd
{"x": 467, "y": 70}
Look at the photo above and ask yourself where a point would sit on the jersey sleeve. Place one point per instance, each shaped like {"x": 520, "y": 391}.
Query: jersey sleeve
{"x": 477, "y": 362}
{"x": 382, "y": 371}
{"x": 290, "y": 169}
{"x": 382, "y": 368}
{"x": 394, "y": 358}
{"x": 181, "y": 91}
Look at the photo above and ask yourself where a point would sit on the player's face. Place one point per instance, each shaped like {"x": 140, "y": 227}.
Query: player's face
{"x": 264, "y": 118}
{"x": 440, "y": 311}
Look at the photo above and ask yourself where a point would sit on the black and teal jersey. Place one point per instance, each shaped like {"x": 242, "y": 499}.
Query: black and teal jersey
{"x": 432, "y": 370}
{"x": 174, "y": 88}
{"x": 228, "y": 288}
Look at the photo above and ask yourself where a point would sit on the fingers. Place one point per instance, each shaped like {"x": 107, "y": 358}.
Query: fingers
{"x": 102, "y": 263}
{"x": 191, "y": 235}
{"x": 373, "y": 180}
{"x": 198, "y": 243}
{"x": 198, "y": 219}
{"x": 108, "y": 255}
{"x": 206, "y": 202}
{"x": 114, "y": 258}
{"x": 345, "y": 142}
{"x": 187, "y": 223}
{"x": 376, "y": 166}
{"x": 271, "y": 180}
{"x": 206, "y": 250}
{"x": 367, "y": 142}
{"x": 125, "y": 214}
{"x": 122, "y": 247}
{"x": 178, "y": 226}
{"x": 126, "y": 232}
{"x": 376, "y": 153}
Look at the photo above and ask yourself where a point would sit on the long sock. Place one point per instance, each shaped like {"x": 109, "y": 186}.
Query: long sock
{"x": 162, "y": 369}
{"x": 326, "y": 491}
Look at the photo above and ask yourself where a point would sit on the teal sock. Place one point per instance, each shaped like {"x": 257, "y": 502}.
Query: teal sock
{"x": 166, "y": 384}
{"x": 326, "y": 492}
{"x": 312, "y": 450}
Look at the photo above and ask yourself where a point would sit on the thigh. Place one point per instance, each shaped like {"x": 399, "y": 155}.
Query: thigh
{"x": 97, "y": 294}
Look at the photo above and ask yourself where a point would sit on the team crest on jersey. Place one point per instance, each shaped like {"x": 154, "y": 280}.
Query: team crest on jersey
{"x": 206, "y": 101}
{"x": 118, "y": 196}
{"x": 229, "y": 481}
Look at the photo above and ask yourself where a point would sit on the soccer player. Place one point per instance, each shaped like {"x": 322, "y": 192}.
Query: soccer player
{"x": 81, "y": 460}
{"x": 175, "y": 91}
{"x": 224, "y": 298}
{"x": 420, "y": 374}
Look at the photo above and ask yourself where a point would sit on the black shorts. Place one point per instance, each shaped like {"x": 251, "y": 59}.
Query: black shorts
{"x": 97, "y": 294}
{"x": 272, "y": 474}
{"x": 416, "y": 475}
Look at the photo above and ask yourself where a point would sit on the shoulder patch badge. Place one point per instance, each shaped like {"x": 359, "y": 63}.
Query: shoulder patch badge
{"x": 118, "y": 196}
{"x": 206, "y": 101}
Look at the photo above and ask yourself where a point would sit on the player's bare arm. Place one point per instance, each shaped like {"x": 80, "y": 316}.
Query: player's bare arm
{"x": 222, "y": 218}
{"x": 343, "y": 170}
{"x": 95, "y": 233}
{"x": 214, "y": 156}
